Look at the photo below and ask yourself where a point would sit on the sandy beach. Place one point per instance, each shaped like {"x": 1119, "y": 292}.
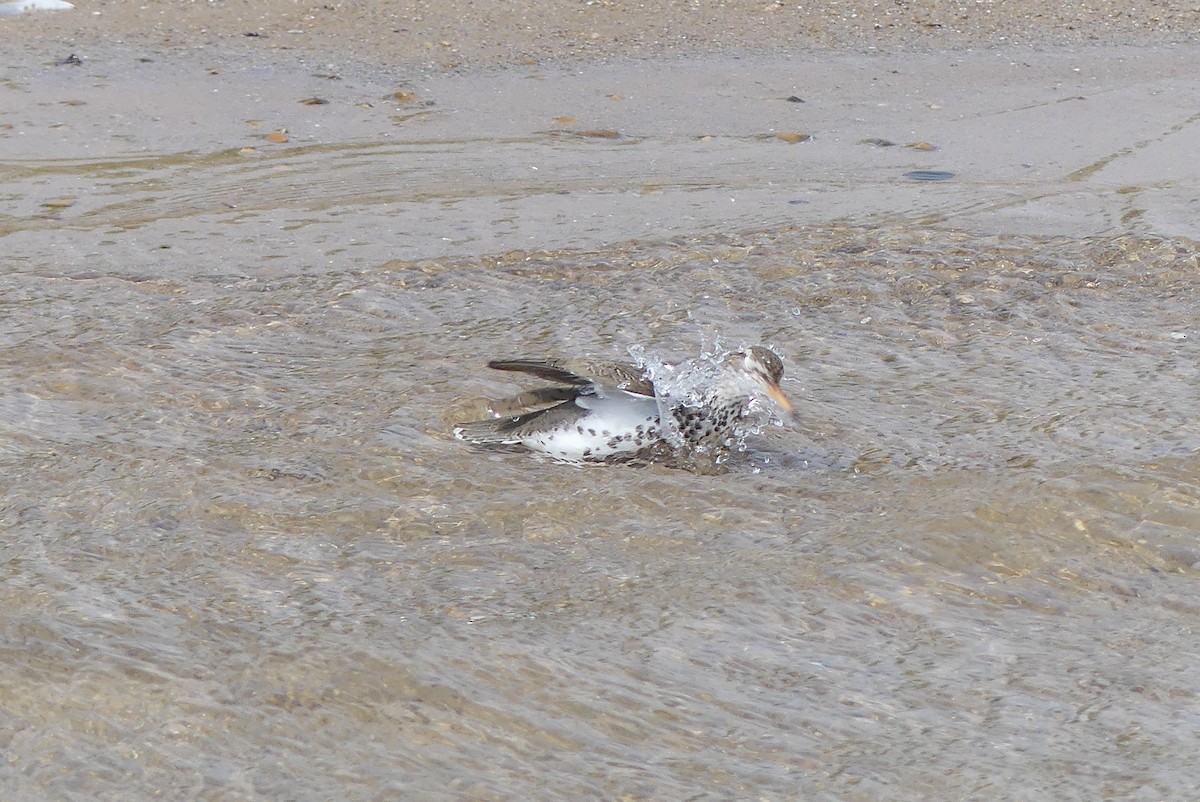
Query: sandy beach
{"x": 1017, "y": 110}
{"x": 465, "y": 34}
{"x": 256, "y": 255}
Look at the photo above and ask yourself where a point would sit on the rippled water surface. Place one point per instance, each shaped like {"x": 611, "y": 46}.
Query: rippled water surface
{"x": 244, "y": 559}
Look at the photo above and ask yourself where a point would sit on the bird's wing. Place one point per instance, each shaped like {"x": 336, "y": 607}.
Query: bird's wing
{"x": 550, "y": 370}
{"x": 580, "y": 373}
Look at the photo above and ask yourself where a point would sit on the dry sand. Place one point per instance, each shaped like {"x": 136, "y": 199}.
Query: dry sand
{"x": 463, "y": 33}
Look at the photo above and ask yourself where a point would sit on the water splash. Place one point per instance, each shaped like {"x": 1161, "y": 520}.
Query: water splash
{"x": 686, "y": 383}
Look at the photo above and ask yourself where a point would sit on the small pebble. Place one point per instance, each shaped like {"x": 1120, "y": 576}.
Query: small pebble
{"x": 792, "y": 137}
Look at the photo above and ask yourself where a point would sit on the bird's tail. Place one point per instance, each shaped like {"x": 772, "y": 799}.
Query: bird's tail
{"x": 486, "y": 432}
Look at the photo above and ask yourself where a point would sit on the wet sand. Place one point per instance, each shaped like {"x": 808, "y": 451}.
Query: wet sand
{"x": 1072, "y": 141}
{"x": 596, "y": 123}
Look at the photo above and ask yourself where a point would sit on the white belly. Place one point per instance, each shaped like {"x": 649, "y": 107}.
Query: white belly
{"x": 614, "y": 426}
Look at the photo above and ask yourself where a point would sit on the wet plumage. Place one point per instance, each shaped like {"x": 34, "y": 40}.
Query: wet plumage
{"x": 611, "y": 412}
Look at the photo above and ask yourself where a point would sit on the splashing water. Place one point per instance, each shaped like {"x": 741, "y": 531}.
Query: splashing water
{"x": 685, "y": 383}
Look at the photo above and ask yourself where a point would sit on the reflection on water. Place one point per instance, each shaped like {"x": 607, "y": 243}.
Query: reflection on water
{"x": 244, "y": 555}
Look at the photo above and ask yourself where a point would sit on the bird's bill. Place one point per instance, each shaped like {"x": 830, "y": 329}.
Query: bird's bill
{"x": 776, "y": 395}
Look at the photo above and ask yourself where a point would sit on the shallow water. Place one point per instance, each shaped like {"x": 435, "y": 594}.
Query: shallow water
{"x": 238, "y": 528}
{"x": 245, "y": 559}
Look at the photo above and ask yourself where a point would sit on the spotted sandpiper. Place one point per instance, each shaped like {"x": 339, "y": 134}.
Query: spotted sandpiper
{"x": 614, "y": 413}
